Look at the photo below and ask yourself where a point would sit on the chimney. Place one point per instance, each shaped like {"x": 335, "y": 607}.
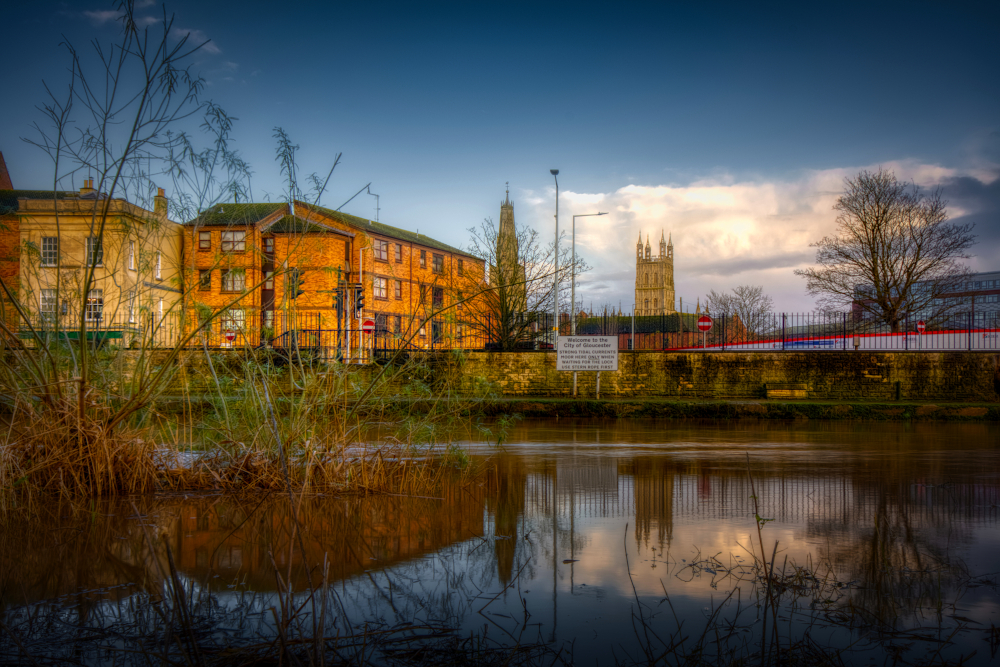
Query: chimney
{"x": 88, "y": 186}
{"x": 160, "y": 204}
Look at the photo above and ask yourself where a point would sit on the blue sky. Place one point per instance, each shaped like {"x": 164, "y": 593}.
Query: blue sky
{"x": 729, "y": 125}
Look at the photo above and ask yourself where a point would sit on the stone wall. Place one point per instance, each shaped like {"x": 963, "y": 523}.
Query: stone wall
{"x": 938, "y": 376}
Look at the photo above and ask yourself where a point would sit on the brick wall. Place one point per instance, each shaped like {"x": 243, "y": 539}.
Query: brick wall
{"x": 826, "y": 375}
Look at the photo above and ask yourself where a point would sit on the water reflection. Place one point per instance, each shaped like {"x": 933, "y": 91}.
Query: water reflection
{"x": 898, "y": 520}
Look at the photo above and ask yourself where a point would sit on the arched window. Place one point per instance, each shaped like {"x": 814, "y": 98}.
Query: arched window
{"x": 646, "y": 304}
{"x": 645, "y": 279}
{"x": 655, "y": 304}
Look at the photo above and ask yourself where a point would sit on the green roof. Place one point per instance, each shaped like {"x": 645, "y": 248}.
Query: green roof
{"x": 8, "y": 198}
{"x": 290, "y": 224}
{"x": 236, "y": 214}
{"x": 382, "y": 229}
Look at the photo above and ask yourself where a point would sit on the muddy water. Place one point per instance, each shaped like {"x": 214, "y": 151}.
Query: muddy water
{"x": 608, "y": 540}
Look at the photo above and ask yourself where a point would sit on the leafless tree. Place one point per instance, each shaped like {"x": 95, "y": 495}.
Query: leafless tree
{"x": 747, "y": 302}
{"x": 894, "y": 254}
{"x": 512, "y": 303}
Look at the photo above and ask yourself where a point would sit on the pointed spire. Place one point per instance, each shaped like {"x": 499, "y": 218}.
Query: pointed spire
{"x": 506, "y": 201}
{"x": 661, "y": 234}
{"x": 670, "y": 240}
{"x": 647, "y": 240}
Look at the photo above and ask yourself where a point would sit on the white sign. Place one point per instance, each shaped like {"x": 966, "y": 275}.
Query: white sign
{"x": 587, "y": 353}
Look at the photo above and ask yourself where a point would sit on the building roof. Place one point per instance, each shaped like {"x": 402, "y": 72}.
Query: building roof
{"x": 292, "y": 224}
{"x": 236, "y": 214}
{"x": 382, "y": 229}
{"x": 5, "y": 183}
{"x": 8, "y": 198}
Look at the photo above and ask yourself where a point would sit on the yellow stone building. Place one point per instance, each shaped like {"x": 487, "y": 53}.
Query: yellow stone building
{"x": 654, "y": 278}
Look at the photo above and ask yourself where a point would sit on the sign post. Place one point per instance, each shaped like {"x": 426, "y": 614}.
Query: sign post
{"x": 587, "y": 353}
{"x": 704, "y": 324}
{"x": 230, "y": 336}
{"x": 920, "y": 333}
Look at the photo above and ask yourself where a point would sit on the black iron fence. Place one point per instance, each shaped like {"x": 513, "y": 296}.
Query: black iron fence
{"x": 326, "y": 336}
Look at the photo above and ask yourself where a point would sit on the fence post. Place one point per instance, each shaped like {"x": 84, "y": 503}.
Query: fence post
{"x": 783, "y": 316}
{"x": 971, "y": 322}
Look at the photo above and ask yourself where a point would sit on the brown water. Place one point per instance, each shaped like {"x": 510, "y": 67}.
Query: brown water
{"x": 598, "y": 538}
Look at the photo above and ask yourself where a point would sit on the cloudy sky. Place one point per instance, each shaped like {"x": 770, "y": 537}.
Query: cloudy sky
{"x": 730, "y": 126}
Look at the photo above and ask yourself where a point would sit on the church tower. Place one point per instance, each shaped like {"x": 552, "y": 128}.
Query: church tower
{"x": 654, "y": 278}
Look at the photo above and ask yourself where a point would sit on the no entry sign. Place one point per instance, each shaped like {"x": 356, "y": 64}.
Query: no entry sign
{"x": 704, "y": 323}
{"x": 368, "y": 326}
{"x": 230, "y": 336}
{"x": 921, "y": 326}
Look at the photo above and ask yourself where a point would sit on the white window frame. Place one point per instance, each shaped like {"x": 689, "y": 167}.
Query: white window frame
{"x": 203, "y": 237}
{"x": 52, "y": 252}
{"x": 380, "y": 249}
{"x": 131, "y": 306}
{"x": 95, "y": 251}
{"x": 158, "y": 271}
{"x": 94, "y": 308}
{"x": 48, "y": 304}
{"x": 380, "y": 288}
{"x": 131, "y": 255}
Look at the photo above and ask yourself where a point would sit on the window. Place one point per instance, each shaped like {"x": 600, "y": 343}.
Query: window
{"x": 234, "y": 241}
{"x": 381, "y": 250}
{"x": 233, "y": 320}
{"x": 438, "y": 297}
{"x": 398, "y": 290}
{"x": 423, "y": 259}
{"x": 267, "y": 245}
{"x": 269, "y": 318}
{"x": 269, "y": 280}
{"x": 94, "y": 309}
{"x": 461, "y": 268}
{"x": 204, "y": 240}
{"x": 131, "y": 255}
{"x": 381, "y": 288}
{"x": 95, "y": 251}
{"x": 397, "y": 324}
{"x": 645, "y": 304}
{"x": 161, "y": 308}
{"x": 656, "y": 304}
{"x": 158, "y": 272}
{"x": 130, "y": 305}
{"x": 438, "y": 264}
{"x": 461, "y": 297}
{"x": 47, "y": 305}
{"x": 399, "y": 253}
{"x": 423, "y": 331}
{"x": 50, "y": 250}
{"x": 205, "y": 280}
{"x": 234, "y": 280}
{"x": 436, "y": 330}
{"x": 423, "y": 295}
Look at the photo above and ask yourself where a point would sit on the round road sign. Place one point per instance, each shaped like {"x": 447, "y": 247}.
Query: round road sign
{"x": 704, "y": 323}
{"x": 368, "y": 326}
{"x": 921, "y": 326}
{"x": 230, "y": 336}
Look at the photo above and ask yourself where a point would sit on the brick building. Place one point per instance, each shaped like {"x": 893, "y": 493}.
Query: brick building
{"x": 274, "y": 270}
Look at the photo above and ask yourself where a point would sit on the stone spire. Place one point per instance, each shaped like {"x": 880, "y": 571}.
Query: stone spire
{"x": 507, "y": 249}
{"x": 663, "y": 245}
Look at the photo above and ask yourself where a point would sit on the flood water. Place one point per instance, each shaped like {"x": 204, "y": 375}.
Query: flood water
{"x": 604, "y": 541}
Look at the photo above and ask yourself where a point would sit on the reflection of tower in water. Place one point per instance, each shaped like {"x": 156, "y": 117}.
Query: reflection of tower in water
{"x": 505, "y": 509}
{"x": 653, "y": 495}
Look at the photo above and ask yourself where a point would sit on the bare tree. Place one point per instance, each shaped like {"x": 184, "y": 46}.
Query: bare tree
{"x": 894, "y": 254}
{"x": 747, "y": 302}
{"x": 512, "y": 303}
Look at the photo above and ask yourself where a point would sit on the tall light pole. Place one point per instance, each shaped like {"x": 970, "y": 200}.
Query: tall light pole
{"x": 572, "y": 314}
{"x": 555, "y": 281}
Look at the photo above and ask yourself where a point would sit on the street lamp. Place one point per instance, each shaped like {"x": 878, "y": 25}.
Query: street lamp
{"x": 572, "y": 298}
{"x": 555, "y": 281}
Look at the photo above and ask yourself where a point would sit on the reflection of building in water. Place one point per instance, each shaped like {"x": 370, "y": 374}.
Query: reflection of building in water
{"x": 653, "y": 497}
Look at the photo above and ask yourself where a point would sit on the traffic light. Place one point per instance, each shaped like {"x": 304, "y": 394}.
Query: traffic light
{"x": 359, "y": 299}
{"x": 295, "y": 284}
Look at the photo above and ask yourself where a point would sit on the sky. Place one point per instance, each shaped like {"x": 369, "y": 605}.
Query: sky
{"x": 730, "y": 126}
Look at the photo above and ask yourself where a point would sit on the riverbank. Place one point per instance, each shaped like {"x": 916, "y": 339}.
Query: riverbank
{"x": 543, "y": 406}
{"x": 744, "y": 409}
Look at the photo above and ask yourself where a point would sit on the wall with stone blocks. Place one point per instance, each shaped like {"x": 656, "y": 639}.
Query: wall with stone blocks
{"x": 822, "y": 375}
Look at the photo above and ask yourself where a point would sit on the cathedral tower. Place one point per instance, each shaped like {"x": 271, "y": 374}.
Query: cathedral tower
{"x": 654, "y": 278}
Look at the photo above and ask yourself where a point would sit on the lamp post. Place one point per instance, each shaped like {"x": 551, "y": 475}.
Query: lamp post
{"x": 555, "y": 277}
{"x": 572, "y": 314}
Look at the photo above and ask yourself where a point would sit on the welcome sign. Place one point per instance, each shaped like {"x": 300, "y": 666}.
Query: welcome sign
{"x": 587, "y": 353}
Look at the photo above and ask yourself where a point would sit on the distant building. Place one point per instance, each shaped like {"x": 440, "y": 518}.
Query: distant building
{"x": 978, "y": 296}
{"x": 654, "y": 278}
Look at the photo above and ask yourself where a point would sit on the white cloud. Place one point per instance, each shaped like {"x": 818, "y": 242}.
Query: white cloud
{"x": 103, "y": 16}
{"x": 195, "y": 38}
{"x": 726, "y": 231}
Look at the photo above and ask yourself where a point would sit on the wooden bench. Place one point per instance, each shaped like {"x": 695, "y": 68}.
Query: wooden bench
{"x": 786, "y": 390}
